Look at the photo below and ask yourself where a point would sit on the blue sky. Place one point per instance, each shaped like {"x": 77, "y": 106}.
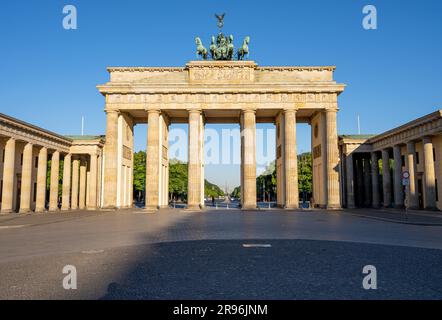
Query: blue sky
{"x": 49, "y": 74}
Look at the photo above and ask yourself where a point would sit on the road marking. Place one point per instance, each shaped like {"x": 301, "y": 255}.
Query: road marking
{"x": 92, "y": 251}
{"x": 256, "y": 245}
{"x": 13, "y": 226}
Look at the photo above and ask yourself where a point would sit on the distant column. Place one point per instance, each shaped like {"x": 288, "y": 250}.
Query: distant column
{"x": 429, "y": 175}
{"x": 332, "y": 156}
{"x": 53, "y": 189}
{"x": 152, "y": 160}
{"x": 375, "y": 180}
{"x": 8, "y": 177}
{"x": 65, "y": 201}
{"x": 26, "y": 179}
{"x": 367, "y": 182}
{"x": 248, "y": 164}
{"x": 386, "y": 178}
{"x": 75, "y": 183}
{"x": 82, "y": 195}
{"x": 40, "y": 204}
{"x": 349, "y": 161}
{"x": 195, "y": 161}
{"x": 291, "y": 160}
{"x": 111, "y": 160}
{"x": 398, "y": 190}
{"x": 92, "y": 204}
{"x": 412, "y": 197}
{"x": 360, "y": 180}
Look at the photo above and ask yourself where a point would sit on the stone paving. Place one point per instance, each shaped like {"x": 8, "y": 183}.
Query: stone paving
{"x": 175, "y": 254}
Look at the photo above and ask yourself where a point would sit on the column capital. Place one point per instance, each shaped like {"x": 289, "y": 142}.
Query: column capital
{"x": 329, "y": 110}
{"x": 193, "y": 110}
{"x": 248, "y": 110}
{"x": 152, "y": 110}
{"x": 289, "y": 110}
{"x": 112, "y": 111}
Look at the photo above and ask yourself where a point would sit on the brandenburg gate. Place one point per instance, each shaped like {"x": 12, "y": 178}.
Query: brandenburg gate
{"x": 220, "y": 92}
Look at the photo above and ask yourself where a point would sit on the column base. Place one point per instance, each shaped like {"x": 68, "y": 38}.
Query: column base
{"x": 24, "y": 211}
{"x": 193, "y": 207}
{"x": 333, "y": 207}
{"x": 40, "y": 210}
{"x": 431, "y": 208}
{"x": 151, "y": 209}
{"x": 291, "y": 207}
{"x": 91, "y": 208}
{"x": 65, "y": 209}
{"x": 53, "y": 210}
{"x": 249, "y": 208}
{"x": 6, "y": 211}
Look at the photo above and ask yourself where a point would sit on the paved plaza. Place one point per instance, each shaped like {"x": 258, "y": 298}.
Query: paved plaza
{"x": 175, "y": 254}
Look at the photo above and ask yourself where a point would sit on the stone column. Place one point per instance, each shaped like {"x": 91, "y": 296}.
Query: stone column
{"x": 82, "y": 195}
{"x": 195, "y": 161}
{"x": 92, "y": 204}
{"x": 386, "y": 178}
{"x": 350, "y": 181}
{"x": 398, "y": 190}
{"x": 412, "y": 196}
{"x": 367, "y": 182}
{"x": 40, "y": 204}
{"x": 375, "y": 180}
{"x": 360, "y": 180}
{"x": 291, "y": 160}
{"x": 429, "y": 175}
{"x": 111, "y": 160}
{"x": 26, "y": 179}
{"x": 152, "y": 160}
{"x": 8, "y": 177}
{"x": 332, "y": 163}
{"x": 53, "y": 191}
{"x": 248, "y": 164}
{"x": 75, "y": 183}
{"x": 65, "y": 201}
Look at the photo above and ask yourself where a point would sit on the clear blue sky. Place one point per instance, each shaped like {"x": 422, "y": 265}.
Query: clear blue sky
{"x": 48, "y": 74}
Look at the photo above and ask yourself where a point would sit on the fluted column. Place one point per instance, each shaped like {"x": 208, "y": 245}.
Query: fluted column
{"x": 375, "y": 180}
{"x": 92, "y": 204}
{"x": 195, "y": 161}
{"x": 350, "y": 181}
{"x": 26, "y": 179}
{"x": 248, "y": 152}
{"x": 367, "y": 182}
{"x": 291, "y": 160}
{"x": 398, "y": 189}
{"x": 82, "y": 192}
{"x": 332, "y": 163}
{"x": 111, "y": 160}
{"x": 429, "y": 175}
{"x": 386, "y": 178}
{"x": 8, "y": 177}
{"x": 55, "y": 170}
{"x": 75, "y": 183}
{"x": 412, "y": 196}
{"x": 360, "y": 180}
{"x": 66, "y": 193}
{"x": 152, "y": 160}
{"x": 40, "y": 204}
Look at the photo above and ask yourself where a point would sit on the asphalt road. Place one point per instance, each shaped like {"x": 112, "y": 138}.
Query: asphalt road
{"x": 180, "y": 255}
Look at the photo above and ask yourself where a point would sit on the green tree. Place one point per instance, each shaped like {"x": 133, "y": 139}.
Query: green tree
{"x": 177, "y": 179}
{"x": 139, "y": 172}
